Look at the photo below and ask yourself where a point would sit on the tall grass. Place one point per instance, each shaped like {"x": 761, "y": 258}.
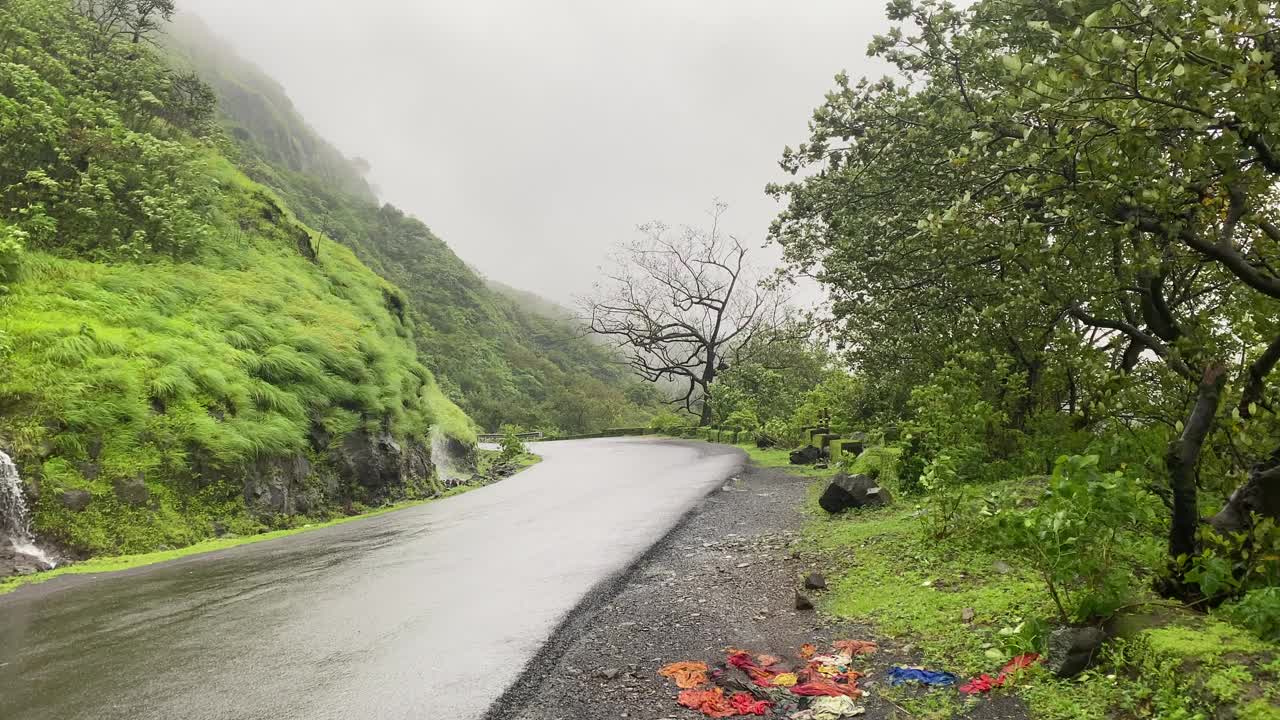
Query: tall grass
{"x": 113, "y": 372}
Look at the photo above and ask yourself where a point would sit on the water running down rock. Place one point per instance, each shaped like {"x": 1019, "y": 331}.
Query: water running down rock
{"x": 15, "y": 518}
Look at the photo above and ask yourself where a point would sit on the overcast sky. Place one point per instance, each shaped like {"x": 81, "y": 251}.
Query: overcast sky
{"x": 533, "y": 134}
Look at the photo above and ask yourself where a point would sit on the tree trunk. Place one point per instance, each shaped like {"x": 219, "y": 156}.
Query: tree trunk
{"x": 1182, "y": 459}
{"x": 1260, "y": 496}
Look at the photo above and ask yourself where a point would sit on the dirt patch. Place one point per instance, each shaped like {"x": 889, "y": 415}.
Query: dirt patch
{"x": 727, "y": 576}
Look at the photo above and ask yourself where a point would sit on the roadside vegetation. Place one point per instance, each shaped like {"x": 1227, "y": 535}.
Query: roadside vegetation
{"x": 1051, "y": 250}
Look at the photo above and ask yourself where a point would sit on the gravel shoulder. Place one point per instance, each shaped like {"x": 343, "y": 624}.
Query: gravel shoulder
{"x": 726, "y": 576}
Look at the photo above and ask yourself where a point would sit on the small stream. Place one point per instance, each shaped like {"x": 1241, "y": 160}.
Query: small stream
{"x": 15, "y": 517}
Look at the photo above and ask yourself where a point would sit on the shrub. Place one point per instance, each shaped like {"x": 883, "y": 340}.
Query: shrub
{"x": 512, "y": 446}
{"x": 669, "y": 423}
{"x": 741, "y": 420}
{"x": 1079, "y": 535}
{"x": 1259, "y": 612}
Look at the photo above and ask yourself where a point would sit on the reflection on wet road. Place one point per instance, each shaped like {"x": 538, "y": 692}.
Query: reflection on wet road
{"x": 425, "y": 613}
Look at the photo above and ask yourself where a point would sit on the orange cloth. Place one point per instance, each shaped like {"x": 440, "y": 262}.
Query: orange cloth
{"x": 808, "y": 650}
{"x": 708, "y": 702}
{"x": 686, "y": 674}
{"x": 855, "y": 647}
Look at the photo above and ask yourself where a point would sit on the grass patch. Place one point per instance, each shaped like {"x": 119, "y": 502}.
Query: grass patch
{"x": 884, "y": 569}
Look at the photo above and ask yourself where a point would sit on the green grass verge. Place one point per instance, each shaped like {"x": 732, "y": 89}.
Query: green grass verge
{"x": 887, "y": 572}
{"x": 126, "y": 562}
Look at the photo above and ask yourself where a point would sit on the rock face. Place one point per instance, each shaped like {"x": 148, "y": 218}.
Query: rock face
{"x": 1072, "y": 650}
{"x": 370, "y": 460}
{"x": 806, "y": 455}
{"x": 132, "y": 491}
{"x": 75, "y": 500}
{"x": 853, "y": 491}
{"x": 279, "y": 486}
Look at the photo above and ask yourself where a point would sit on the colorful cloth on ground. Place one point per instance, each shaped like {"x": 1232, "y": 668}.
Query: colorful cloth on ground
{"x": 985, "y": 683}
{"x": 745, "y": 704}
{"x": 855, "y": 647}
{"x": 767, "y": 660}
{"x": 814, "y": 684}
{"x": 834, "y": 708}
{"x": 744, "y": 662}
{"x": 982, "y": 683}
{"x": 708, "y": 702}
{"x": 807, "y": 651}
{"x": 786, "y": 680}
{"x": 686, "y": 675}
{"x": 899, "y": 675}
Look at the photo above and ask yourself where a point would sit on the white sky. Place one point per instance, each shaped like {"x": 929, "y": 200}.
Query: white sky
{"x": 532, "y": 135}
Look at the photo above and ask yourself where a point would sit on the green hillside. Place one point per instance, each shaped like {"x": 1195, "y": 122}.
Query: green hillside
{"x": 181, "y": 355}
{"x": 505, "y": 361}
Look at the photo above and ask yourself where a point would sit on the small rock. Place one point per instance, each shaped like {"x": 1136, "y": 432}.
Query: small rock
{"x": 76, "y": 500}
{"x": 133, "y": 491}
{"x": 1002, "y": 567}
{"x": 610, "y": 673}
{"x": 1072, "y": 650}
{"x": 966, "y": 615}
{"x": 803, "y": 602}
{"x": 815, "y": 581}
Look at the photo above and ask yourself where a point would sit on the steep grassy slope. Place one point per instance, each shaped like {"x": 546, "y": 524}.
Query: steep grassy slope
{"x": 502, "y": 362}
{"x": 181, "y": 356}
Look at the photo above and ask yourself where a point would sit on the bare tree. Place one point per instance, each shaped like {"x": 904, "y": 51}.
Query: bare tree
{"x": 135, "y": 20}
{"x": 679, "y": 305}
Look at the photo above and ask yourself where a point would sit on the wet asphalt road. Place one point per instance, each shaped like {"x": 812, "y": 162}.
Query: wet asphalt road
{"x": 427, "y": 613}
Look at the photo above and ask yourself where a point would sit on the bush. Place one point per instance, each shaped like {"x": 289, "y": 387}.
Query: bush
{"x": 1079, "y": 535}
{"x": 11, "y": 247}
{"x": 512, "y": 447}
{"x": 1259, "y": 612}
{"x": 669, "y": 423}
{"x": 741, "y": 420}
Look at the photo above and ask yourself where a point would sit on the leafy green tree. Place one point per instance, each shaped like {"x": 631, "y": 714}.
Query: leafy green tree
{"x": 1087, "y": 187}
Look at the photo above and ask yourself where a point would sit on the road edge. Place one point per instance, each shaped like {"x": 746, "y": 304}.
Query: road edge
{"x": 542, "y": 663}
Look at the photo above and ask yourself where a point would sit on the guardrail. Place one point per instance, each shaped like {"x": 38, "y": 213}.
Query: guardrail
{"x": 497, "y": 437}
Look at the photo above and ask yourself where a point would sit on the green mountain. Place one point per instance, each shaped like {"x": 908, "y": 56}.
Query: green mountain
{"x": 180, "y": 354}
{"x": 503, "y": 358}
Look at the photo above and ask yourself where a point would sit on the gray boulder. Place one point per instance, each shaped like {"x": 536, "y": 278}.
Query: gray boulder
{"x": 75, "y": 500}
{"x": 853, "y": 491}
{"x": 1073, "y": 649}
{"x": 371, "y": 461}
{"x": 806, "y": 455}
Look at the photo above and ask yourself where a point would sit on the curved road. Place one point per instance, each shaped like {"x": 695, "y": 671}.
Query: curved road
{"x": 425, "y": 613}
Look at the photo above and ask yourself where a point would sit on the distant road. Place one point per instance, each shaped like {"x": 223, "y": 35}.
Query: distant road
{"x": 426, "y": 613}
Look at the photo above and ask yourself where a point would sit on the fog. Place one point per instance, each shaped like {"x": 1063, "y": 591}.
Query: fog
{"x": 533, "y": 135}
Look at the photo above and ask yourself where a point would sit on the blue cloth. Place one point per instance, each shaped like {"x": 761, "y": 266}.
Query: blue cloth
{"x": 899, "y": 675}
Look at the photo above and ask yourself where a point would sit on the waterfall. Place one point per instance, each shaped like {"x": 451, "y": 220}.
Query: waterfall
{"x": 15, "y": 519}
{"x": 446, "y": 471}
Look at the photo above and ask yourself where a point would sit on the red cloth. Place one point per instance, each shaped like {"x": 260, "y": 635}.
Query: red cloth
{"x": 708, "y": 702}
{"x": 814, "y": 684}
{"x": 744, "y": 662}
{"x": 855, "y": 647}
{"x": 985, "y": 683}
{"x": 744, "y": 704}
{"x": 1019, "y": 663}
{"x": 982, "y": 683}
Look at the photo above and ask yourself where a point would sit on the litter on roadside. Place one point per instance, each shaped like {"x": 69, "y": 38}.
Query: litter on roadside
{"x": 814, "y": 687}
{"x": 686, "y": 675}
{"x": 985, "y": 683}
{"x": 830, "y": 708}
{"x": 900, "y": 675}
